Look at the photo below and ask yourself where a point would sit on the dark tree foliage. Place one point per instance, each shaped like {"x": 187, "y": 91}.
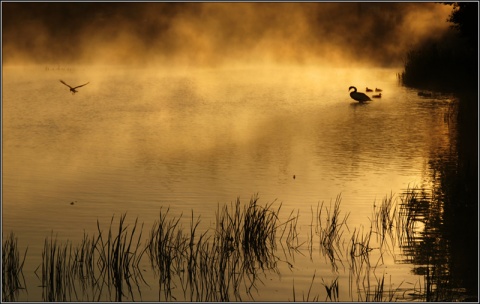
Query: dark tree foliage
{"x": 449, "y": 63}
{"x": 465, "y": 19}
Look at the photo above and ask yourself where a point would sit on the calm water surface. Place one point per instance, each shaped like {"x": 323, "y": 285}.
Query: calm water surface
{"x": 137, "y": 140}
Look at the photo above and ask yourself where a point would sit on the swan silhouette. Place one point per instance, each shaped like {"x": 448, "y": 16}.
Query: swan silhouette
{"x": 73, "y": 89}
{"x": 377, "y": 96}
{"x": 358, "y": 96}
{"x": 368, "y": 90}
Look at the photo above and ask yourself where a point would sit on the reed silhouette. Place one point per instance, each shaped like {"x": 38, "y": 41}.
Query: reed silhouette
{"x": 228, "y": 262}
{"x": 12, "y": 269}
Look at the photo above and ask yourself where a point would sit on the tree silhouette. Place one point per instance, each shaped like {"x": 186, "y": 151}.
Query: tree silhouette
{"x": 465, "y": 19}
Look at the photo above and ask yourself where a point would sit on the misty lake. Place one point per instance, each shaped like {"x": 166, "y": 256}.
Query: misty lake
{"x": 138, "y": 141}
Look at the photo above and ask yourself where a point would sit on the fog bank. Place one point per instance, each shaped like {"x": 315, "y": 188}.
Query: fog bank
{"x": 215, "y": 34}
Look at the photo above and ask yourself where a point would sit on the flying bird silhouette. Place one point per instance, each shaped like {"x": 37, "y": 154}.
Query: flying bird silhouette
{"x": 73, "y": 89}
{"x": 358, "y": 96}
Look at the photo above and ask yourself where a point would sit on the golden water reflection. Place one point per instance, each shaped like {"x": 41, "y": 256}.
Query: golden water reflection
{"x": 134, "y": 141}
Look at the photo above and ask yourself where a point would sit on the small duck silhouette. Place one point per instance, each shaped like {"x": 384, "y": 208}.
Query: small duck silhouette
{"x": 377, "y": 96}
{"x": 73, "y": 89}
{"x": 378, "y": 90}
{"x": 368, "y": 90}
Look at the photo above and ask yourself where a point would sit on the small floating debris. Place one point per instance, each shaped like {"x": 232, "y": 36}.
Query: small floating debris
{"x": 424, "y": 94}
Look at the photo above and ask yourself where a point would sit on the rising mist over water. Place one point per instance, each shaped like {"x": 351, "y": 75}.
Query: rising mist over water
{"x": 341, "y": 34}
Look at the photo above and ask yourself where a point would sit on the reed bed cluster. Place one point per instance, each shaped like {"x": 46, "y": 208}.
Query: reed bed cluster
{"x": 332, "y": 290}
{"x": 259, "y": 232}
{"x": 384, "y": 220}
{"x": 361, "y": 269}
{"x": 359, "y": 249}
{"x": 226, "y": 262}
{"x": 13, "y": 279}
{"x": 57, "y": 275}
{"x": 398, "y": 220}
{"x": 165, "y": 245}
{"x": 96, "y": 264}
{"x": 330, "y": 231}
{"x": 292, "y": 237}
{"x": 213, "y": 266}
{"x": 84, "y": 266}
{"x": 412, "y": 211}
{"x": 376, "y": 293}
{"x": 119, "y": 257}
{"x": 426, "y": 248}
{"x": 307, "y": 297}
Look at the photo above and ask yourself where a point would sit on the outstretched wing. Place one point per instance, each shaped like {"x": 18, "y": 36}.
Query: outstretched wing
{"x": 65, "y": 83}
{"x": 81, "y": 85}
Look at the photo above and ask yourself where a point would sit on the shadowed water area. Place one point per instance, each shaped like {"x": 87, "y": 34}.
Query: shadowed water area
{"x": 139, "y": 142}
